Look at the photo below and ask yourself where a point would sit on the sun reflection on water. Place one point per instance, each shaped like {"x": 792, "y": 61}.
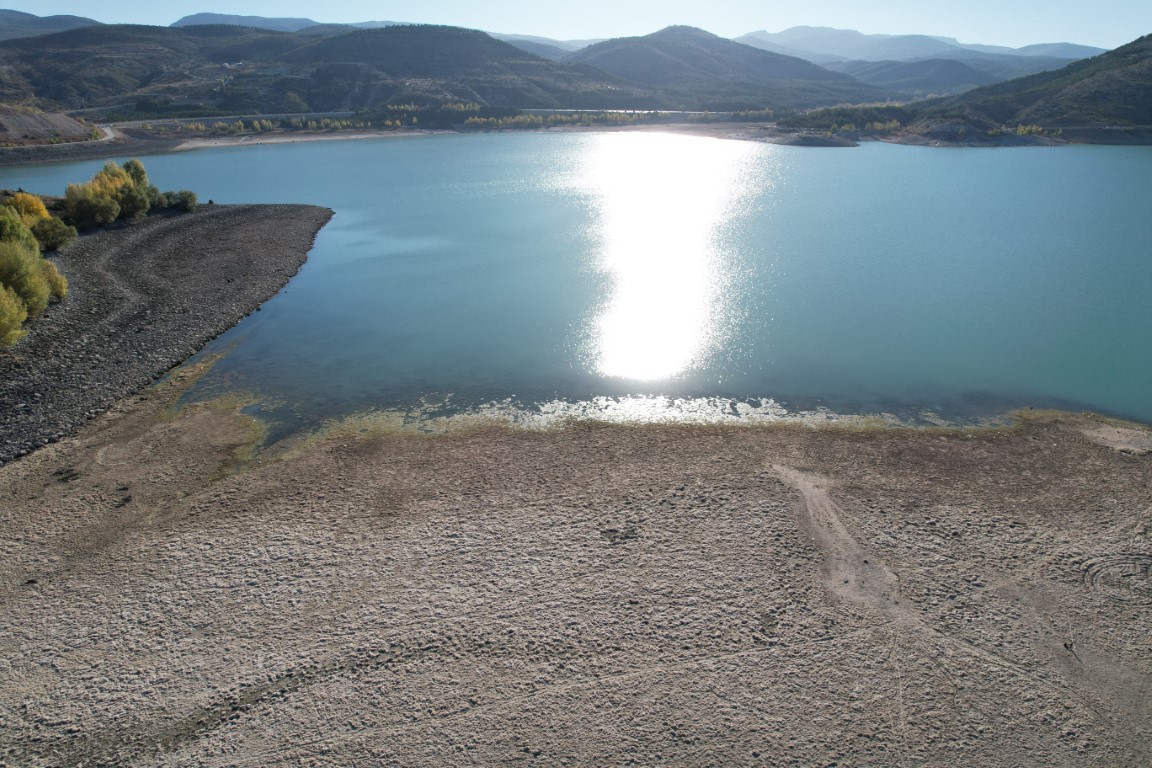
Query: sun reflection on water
{"x": 662, "y": 203}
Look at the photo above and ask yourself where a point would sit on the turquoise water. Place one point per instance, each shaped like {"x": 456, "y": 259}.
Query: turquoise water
{"x": 566, "y": 267}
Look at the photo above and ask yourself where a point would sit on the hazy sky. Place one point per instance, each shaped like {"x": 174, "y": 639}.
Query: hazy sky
{"x": 1104, "y": 23}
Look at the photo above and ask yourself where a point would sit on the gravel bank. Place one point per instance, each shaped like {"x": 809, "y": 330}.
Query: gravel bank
{"x": 142, "y": 299}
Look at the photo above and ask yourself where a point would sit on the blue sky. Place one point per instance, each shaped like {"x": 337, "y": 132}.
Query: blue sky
{"x": 1104, "y": 23}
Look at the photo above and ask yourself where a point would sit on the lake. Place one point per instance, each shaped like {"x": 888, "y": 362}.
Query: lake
{"x": 650, "y": 275}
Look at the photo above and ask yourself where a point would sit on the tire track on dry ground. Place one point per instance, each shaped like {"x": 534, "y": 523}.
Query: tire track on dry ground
{"x": 855, "y": 575}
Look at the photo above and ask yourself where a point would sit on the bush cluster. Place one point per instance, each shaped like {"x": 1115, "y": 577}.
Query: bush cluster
{"x": 27, "y": 281}
{"x": 120, "y": 192}
{"x": 46, "y": 231}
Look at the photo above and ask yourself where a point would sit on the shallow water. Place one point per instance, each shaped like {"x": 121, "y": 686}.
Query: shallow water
{"x": 669, "y": 274}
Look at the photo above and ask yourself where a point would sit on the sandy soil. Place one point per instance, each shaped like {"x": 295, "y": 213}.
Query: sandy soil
{"x": 597, "y": 595}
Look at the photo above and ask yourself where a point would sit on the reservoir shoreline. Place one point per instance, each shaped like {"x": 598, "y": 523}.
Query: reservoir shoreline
{"x": 173, "y": 594}
{"x": 143, "y": 297}
{"x": 122, "y": 144}
{"x": 173, "y": 590}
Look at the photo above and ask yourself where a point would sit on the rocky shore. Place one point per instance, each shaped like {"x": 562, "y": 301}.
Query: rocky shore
{"x": 142, "y": 299}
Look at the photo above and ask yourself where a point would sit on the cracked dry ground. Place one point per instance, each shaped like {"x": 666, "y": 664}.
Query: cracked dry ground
{"x": 594, "y": 596}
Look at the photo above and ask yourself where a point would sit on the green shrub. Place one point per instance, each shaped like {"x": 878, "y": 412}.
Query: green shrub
{"x": 13, "y": 313}
{"x": 184, "y": 200}
{"x": 56, "y": 282}
{"x": 20, "y": 270}
{"x": 89, "y": 206}
{"x": 133, "y": 202}
{"x": 12, "y": 229}
{"x": 52, "y": 233}
{"x": 156, "y": 199}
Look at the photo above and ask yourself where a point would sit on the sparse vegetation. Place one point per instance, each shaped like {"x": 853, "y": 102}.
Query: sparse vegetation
{"x": 120, "y": 192}
{"x": 30, "y": 207}
{"x": 561, "y": 119}
{"x": 53, "y": 233}
{"x": 28, "y": 282}
{"x": 48, "y": 231}
{"x": 13, "y": 313}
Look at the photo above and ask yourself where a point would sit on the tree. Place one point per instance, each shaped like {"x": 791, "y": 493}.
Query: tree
{"x": 135, "y": 170}
{"x": 133, "y": 201}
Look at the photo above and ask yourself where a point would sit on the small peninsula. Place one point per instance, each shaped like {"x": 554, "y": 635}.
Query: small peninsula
{"x": 143, "y": 297}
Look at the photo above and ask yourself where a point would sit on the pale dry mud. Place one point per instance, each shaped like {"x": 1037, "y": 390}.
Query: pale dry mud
{"x": 594, "y": 595}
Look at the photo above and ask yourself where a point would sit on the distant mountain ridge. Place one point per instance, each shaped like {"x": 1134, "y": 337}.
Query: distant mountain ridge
{"x": 917, "y": 79}
{"x": 270, "y": 23}
{"x": 256, "y": 22}
{"x": 201, "y": 70}
{"x": 1105, "y": 99}
{"x": 16, "y": 24}
{"x": 822, "y": 44}
{"x": 231, "y": 68}
{"x": 721, "y": 73}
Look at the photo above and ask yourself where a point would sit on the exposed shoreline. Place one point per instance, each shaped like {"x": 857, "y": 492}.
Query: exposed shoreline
{"x": 143, "y": 298}
{"x": 121, "y": 145}
{"x": 657, "y": 595}
{"x": 175, "y": 593}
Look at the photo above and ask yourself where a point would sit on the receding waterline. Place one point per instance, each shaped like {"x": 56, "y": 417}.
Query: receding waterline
{"x": 645, "y": 276}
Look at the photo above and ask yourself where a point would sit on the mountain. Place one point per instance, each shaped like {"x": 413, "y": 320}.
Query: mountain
{"x": 917, "y": 79}
{"x": 15, "y": 24}
{"x": 565, "y": 45}
{"x": 676, "y": 55}
{"x": 22, "y": 125}
{"x": 101, "y": 65}
{"x": 198, "y": 69}
{"x": 1060, "y": 50}
{"x": 821, "y": 44}
{"x": 275, "y": 24}
{"x": 1106, "y": 99}
{"x": 256, "y": 22}
{"x": 828, "y": 44}
{"x": 1114, "y": 88}
{"x": 1008, "y": 66}
{"x": 419, "y": 62}
{"x": 543, "y": 50}
{"x": 711, "y": 72}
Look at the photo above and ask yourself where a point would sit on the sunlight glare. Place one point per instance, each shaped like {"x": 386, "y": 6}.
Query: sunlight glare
{"x": 662, "y": 200}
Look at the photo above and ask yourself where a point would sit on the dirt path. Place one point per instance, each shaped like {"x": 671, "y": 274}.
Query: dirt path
{"x": 854, "y": 574}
